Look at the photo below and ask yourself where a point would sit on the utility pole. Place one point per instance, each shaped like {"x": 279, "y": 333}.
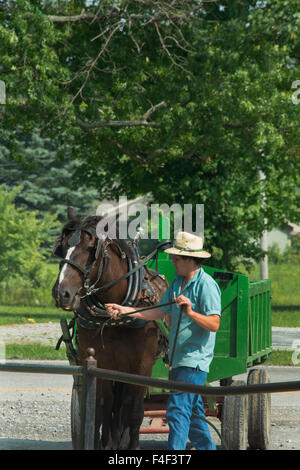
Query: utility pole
{"x": 2, "y": 92}
{"x": 263, "y": 263}
{"x": 2, "y": 98}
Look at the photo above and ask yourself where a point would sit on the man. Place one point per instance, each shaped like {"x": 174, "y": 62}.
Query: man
{"x": 199, "y": 297}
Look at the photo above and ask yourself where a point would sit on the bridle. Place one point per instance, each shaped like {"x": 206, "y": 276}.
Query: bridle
{"x": 135, "y": 274}
{"x": 101, "y": 249}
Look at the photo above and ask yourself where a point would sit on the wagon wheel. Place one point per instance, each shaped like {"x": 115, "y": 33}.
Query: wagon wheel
{"x": 259, "y": 419}
{"x": 234, "y": 420}
{"x": 75, "y": 416}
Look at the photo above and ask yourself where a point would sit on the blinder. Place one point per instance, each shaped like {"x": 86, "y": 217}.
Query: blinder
{"x": 73, "y": 240}
{"x": 57, "y": 248}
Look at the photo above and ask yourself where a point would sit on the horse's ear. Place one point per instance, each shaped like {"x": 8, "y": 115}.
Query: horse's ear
{"x": 71, "y": 213}
{"x": 107, "y": 225}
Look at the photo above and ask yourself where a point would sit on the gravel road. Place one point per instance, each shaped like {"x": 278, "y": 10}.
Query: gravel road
{"x": 48, "y": 333}
{"x": 41, "y": 420}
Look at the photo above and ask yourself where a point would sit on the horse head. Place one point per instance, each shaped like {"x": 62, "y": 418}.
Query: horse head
{"x": 76, "y": 246}
{"x": 80, "y": 247}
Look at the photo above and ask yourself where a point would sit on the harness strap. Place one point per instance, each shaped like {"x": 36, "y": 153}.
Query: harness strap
{"x": 74, "y": 265}
{"x": 101, "y": 266}
{"x": 175, "y": 340}
{"x": 67, "y": 339}
{"x": 94, "y": 305}
{"x": 138, "y": 266}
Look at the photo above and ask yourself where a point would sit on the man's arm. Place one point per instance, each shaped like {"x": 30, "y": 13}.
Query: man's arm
{"x": 114, "y": 309}
{"x": 208, "y": 322}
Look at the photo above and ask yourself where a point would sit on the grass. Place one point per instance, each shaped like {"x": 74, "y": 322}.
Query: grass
{"x": 40, "y": 352}
{"x": 285, "y": 284}
{"x": 285, "y": 293}
{"x": 286, "y": 316}
{"x": 16, "y": 291}
{"x": 17, "y": 314}
{"x": 34, "y": 351}
{"x": 280, "y": 358}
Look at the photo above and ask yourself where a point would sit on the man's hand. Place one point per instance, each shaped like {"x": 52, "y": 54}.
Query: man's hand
{"x": 185, "y": 303}
{"x": 114, "y": 310}
{"x": 208, "y": 322}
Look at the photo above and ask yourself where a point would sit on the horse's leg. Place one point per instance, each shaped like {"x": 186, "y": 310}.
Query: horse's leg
{"x": 128, "y": 416}
{"x": 107, "y": 399}
{"x": 99, "y": 415}
{"x": 137, "y": 393}
{"x": 136, "y": 415}
{"x": 120, "y": 426}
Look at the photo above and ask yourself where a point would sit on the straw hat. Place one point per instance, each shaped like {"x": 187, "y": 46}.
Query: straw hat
{"x": 187, "y": 244}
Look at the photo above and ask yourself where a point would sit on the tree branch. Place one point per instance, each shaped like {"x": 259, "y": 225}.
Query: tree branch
{"x": 152, "y": 110}
{"x": 141, "y": 122}
{"x": 166, "y": 49}
{"x": 92, "y": 125}
{"x": 134, "y": 156}
{"x": 179, "y": 10}
{"x": 71, "y": 19}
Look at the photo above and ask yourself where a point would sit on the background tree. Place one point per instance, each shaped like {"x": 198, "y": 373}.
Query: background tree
{"x": 46, "y": 180}
{"x": 22, "y": 235}
{"x": 183, "y": 99}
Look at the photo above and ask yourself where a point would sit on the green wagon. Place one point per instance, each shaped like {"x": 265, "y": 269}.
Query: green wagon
{"x": 243, "y": 340}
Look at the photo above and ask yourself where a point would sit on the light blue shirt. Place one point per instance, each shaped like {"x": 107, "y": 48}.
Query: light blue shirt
{"x": 195, "y": 345}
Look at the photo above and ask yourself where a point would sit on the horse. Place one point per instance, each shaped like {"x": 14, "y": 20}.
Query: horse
{"x": 101, "y": 269}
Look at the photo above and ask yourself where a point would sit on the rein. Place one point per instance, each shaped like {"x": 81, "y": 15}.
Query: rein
{"x": 124, "y": 315}
{"x": 142, "y": 309}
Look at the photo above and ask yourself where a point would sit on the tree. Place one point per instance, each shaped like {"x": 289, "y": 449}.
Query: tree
{"x": 183, "y": 99}
{"x": 22, "y": 235}
{"x": 46, "y": 180}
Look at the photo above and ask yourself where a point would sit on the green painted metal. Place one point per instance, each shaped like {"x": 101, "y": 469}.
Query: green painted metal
{"x": 230, "y": 354}
{"x": 245, "y": 334}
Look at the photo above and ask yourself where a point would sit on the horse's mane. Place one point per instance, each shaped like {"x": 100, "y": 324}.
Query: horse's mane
{"x": 89, "y": 221}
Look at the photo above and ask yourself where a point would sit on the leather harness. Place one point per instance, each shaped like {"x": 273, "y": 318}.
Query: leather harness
{"x": 92, "y": 313}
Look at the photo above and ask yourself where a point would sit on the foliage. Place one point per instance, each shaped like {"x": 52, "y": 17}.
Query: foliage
{"x": 23, "y": 291}
{"x": 47, "y": 183}
{"x": 21, "y": 237}
{"x": 185, "y": 100}
{"x": 290, "y": 255}
{"x": 275, "y": 255}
